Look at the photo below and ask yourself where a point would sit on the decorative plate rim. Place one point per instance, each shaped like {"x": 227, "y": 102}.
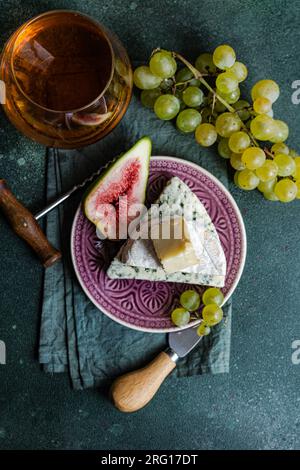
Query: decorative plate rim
{"x": 232, "y": 287}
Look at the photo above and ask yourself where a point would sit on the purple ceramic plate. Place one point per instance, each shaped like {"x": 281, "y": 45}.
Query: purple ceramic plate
{"x": 145, "y": 305}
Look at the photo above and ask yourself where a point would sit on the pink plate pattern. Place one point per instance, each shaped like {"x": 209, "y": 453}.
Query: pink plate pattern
{"x": 146, "y": 305}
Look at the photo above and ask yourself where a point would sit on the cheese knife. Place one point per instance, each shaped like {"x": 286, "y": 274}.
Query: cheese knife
{"x": 132, "y": 391}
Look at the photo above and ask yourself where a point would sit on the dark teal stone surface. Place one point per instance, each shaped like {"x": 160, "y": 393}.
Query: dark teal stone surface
{"x": 256, "y": 406}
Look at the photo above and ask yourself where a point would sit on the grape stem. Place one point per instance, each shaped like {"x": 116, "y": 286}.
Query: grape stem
{"x": 199, "y": 76}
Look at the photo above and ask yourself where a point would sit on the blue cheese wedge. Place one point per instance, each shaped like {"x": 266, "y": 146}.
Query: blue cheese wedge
{"x": 204, "y": 260}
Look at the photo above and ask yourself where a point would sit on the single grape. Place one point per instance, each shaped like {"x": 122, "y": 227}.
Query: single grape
{"x": 236, "y": 161}
{"x": 212, "y": 314}
{"x": 262, "y": 127}
{"x": 268, "y": 171}
{"x": 180, "y": 316}
{"x": 293, "y": 153}
{"x": 232, "y": 97}
{"x": 296, "y": 173}
{"x": 143, "y": 78}
{"x": 239, "y": 141}
{"x": 166, "y": 107}
{"x": 267, "y": 186}
{"x": 247, "y": 180}
{"x": 266, "y": 89}
{"x": 253, "y": 157}
{"x": 298, "y": 189}
{"x": 226, "y": 82}
{"x": 193, "y": 96}
{"x": 148, "y": 97}
{"x": 190, "y": 300}
{"x": 239, "y": 70}
{"x": 280, "y": 148}
{"x": 242, "y": 108}
{"x": 188, "y": 120}
{"x": 219, "y": 107}
{"x": 206, "y": 134}
{"x": 286, "y": 190}
{"x": 224, "y": 57}
{"x": 184, "y": 75}
{"x": 236, "y": 178}
{"x": 227, "y": 124}
{"x": 223, "y": 148}
{"x": 281, "y": 132}
{"x": 270, "y": 196}
{"x": 203, "y": 329}
{"x": 262, "y": 105}
{"x": 286, "y": 164}
{"x": 208, "y": 115}
{"x": 213, "y": 295}
{"x": 204, "y": 63}
{"x": 163, "y": 64}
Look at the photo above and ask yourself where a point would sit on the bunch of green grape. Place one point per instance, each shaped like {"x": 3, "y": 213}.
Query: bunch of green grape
{"x": 205, "y": 100}
{"x": 190, "y": 302}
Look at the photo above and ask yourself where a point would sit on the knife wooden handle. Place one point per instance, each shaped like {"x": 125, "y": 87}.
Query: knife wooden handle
{"x": 134, "y": 390}
{"x": 25, "y": 226}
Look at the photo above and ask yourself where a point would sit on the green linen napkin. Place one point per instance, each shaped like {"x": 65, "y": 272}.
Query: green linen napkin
{"x": 75, "y": 336}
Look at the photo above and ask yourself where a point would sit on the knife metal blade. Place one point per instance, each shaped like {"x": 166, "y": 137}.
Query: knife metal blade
{"x": 182, "y": 342}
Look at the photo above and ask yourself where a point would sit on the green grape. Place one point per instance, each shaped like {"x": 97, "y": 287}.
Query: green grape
{"x": 227, "y": 124}
{"x": 212, "y": 314}
{"x": 239, "y": 141}
{"x": 268, "y": 171}
{"x": 204, "y": 63}
{"x": 270, "y": 113}
{"x": 262, "y": 105}
{"x": 281, "y": 132}
{"x": 280, "y": 148}
{"x": 219, "y": 107}
{"x": 193, "y": 96}
{"x": 232, "y": 97}
{"x": 266, "y": 89}
{"x": 224, "y": 57}
{"x": 262, "y": 127}
{"x": 286, "y": 164}
{"x": 213, "y": 295}
{"x": 236, "y": 178}
{"x": 253, "y": 157}
{"x": 241, "y": 107}
{"x": 148, "y": 97}
{"x": 293, "y": 153}
{"x": 208, "y": 116}
{"x": 226, "y": 82}
{"x": 236, "y": 161}
{"x": 178, "y": 94}
{"x": 223, "y": 149}
{"x": 144, "y": 79}
{"x": 239, "y": 70}
{"x": 166, "y": 107}
{"x": 190, "y": 300}
{"x": 267, "y": 186}
{"x": 270, "y": 196}
{"x": 296, "y": 173}
{"x": 298, "y": 189}
{"x": 203, "y": 329}
{"x": 163, "y": 64}
{"x": 247, "y": 180}
{"x": 180, "y": 317}
{"x": 188, "y": 120}
{"x": 206, "y": 135}
{"x": 286, "y": 190}
{"x": 184, "y": 75}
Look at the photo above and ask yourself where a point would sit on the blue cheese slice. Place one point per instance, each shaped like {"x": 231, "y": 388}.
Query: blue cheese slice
{"x": 138, "y": 259}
